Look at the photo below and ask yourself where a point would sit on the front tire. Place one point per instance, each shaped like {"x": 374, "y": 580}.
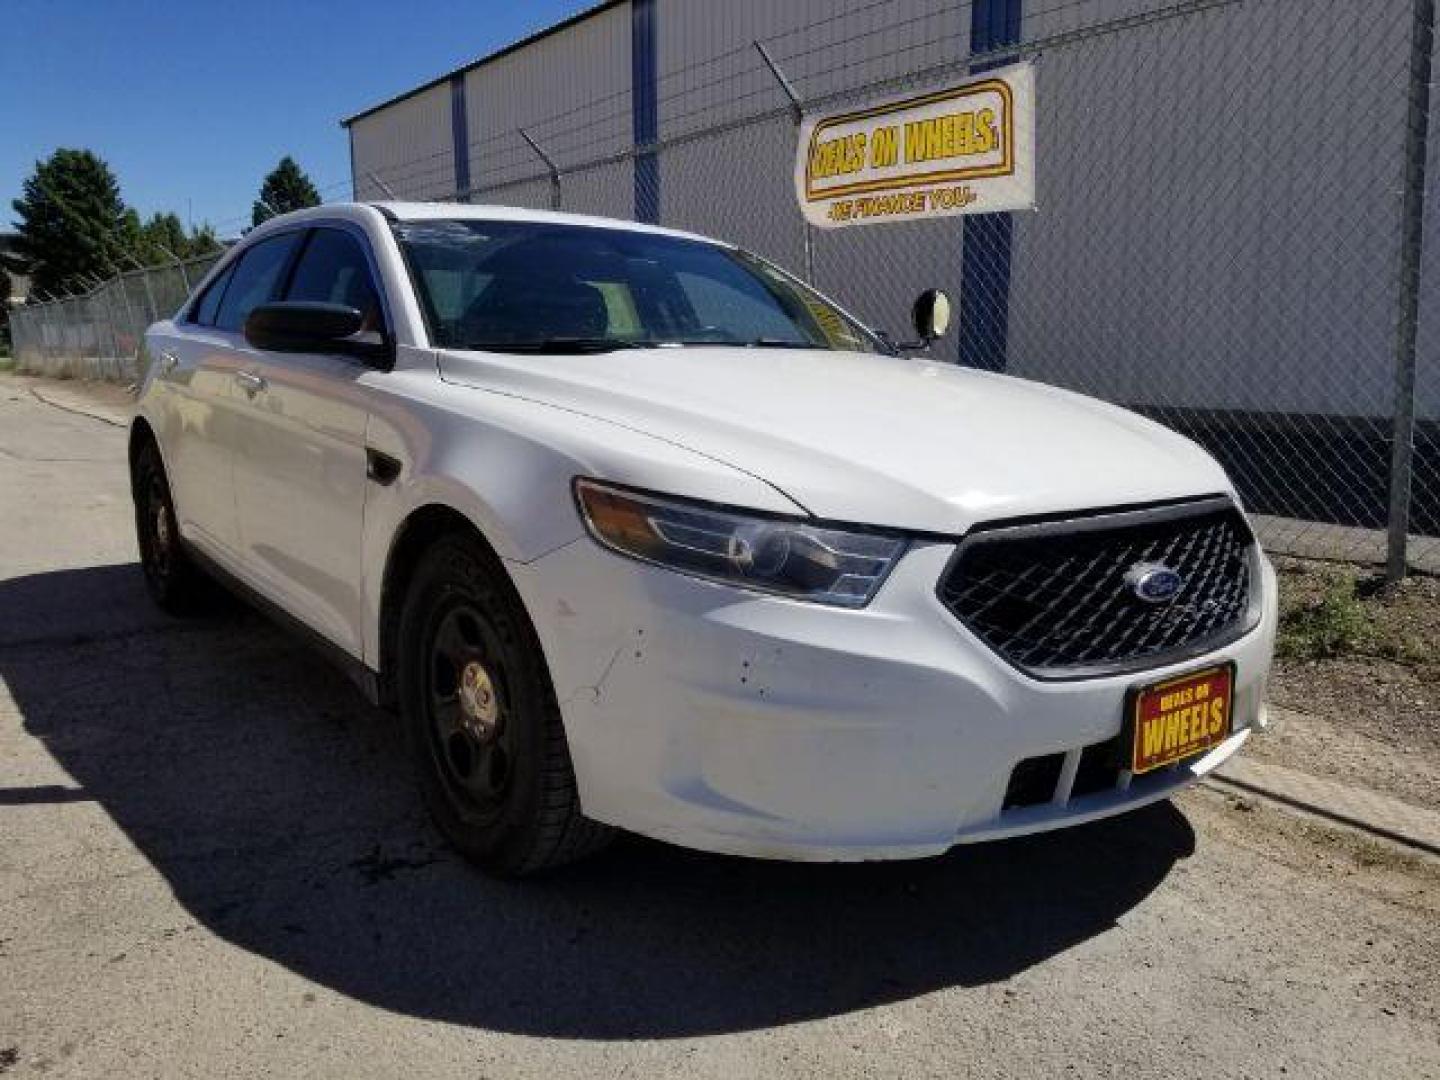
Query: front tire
{"x": 174, "y": 582}
{"x": 481, "y": 718}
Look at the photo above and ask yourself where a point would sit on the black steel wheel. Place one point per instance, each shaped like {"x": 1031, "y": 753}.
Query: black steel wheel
{"x": 485, "y": 731}
{"x": 472, "y": 736}
{"x": 174, "y": 582}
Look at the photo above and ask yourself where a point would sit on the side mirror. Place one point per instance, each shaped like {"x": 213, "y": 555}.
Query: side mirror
{"x": 931, "y": 315}
{"x": 302, "y": 326}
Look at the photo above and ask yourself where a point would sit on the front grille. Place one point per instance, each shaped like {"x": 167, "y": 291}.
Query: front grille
{"x": 1052, "y": 598}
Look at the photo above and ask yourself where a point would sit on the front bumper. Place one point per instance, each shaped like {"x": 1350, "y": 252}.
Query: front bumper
{"x": 736, "y": 722}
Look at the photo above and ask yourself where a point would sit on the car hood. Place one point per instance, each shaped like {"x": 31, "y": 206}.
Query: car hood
{"x": 908, "y": 443}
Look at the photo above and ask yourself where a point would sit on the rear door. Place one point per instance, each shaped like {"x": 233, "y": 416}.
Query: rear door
{"x": 193, "y": 378}
{"x": 300, "y": 472}
{"x": 198, "y": 368}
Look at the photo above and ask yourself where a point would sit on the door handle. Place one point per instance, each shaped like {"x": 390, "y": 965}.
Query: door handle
{"x": 167, "y": 362}
{"x": 250, "y": 382}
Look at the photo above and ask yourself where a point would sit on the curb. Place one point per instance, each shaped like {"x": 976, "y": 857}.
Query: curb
{"x": 1415, "y": 827}
{"x": 106, "y": 417}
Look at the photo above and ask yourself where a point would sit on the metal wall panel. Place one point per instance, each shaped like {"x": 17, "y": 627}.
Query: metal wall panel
{"x": 570, "y": 91}
{"x": 710, "y": 71}
{"x": 408, "y": 146}
{"x": 1200, "y": 209}
{"x": 1201, "y": 214}
{"x": 738, "y": 185}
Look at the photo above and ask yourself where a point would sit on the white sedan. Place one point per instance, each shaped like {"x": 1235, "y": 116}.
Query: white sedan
{"x": 636, "y": 530}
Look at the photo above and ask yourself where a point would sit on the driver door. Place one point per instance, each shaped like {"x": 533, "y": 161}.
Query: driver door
{"x": 300, "y": 473}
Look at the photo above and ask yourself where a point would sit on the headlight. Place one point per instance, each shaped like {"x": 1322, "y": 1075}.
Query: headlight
{"x": 827, "y": 566}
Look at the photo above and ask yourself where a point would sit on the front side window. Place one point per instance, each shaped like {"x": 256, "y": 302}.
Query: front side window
{"x": 532, "y": 286}
{"x": 255, "y": 279}
{"x": 209, "y": 303}
{"x": 333, "y": 269}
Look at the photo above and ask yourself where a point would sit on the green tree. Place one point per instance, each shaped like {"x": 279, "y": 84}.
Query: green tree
{"x": 203, "y": 240}
{"x": 286, "y": 188}
{"x": 71, "y": 223}
{"x": 162, "y": 235}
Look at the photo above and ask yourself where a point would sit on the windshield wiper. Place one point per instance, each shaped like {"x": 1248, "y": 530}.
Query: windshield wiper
{"x": 738, "y": 343}
{"x": 779, "y": 343}
{"x": 563, "y": 345}
{"x": 558, "y": 345}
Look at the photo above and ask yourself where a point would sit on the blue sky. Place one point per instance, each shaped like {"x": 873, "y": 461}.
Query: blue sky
{"x": 193, "y": 102}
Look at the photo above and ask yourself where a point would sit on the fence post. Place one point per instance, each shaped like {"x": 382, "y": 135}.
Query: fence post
{"x": 184, "y": 276}
{"x": 103, "y": 291}
{"x": 384, "y": 187}
{"x": 149, "y": 291}
{"x": 797, "y": 112}
{"x": 1417, "y": 130}
{"x": 63, "y": 347}
{"x": 549, "y": 167}
{"x": 44, "y": 349}
{"x": 129, "y": 316}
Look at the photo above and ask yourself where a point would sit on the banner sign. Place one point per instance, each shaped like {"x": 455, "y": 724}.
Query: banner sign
{"x": 967, "y": 149}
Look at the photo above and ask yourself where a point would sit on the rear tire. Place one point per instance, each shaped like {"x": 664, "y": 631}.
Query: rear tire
{"x": 174, "y": 582}
{"x": 481, "y": 719}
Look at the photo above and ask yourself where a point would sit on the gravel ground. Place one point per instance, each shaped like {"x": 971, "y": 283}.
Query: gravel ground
{"x": 212, "y": 864}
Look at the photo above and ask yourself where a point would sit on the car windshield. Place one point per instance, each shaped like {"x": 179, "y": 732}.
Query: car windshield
{"x": 518, "y": 286}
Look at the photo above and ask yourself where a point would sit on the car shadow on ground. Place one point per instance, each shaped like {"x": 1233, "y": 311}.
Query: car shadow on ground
{"x": 278, "y": 807}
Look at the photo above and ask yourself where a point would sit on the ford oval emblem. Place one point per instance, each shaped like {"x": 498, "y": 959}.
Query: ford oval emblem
{"x": 1153, "y": 582}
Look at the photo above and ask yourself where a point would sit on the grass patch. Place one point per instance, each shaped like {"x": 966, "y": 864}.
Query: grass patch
{"x": 1329, "y": 612}
{"x": 1324, "y": 626}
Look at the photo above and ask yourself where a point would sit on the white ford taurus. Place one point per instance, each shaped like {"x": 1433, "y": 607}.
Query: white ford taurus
{"x": 634, "y": 529}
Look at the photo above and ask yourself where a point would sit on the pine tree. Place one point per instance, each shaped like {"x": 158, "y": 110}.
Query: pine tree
{"x": 286, "y": 188}
{"x": 71, "y": 223}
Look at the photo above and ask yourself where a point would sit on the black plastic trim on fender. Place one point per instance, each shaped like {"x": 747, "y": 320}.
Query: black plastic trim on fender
{"x": 381, "y": 467}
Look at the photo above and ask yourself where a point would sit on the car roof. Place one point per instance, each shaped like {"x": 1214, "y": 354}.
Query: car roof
{"x": 452, "y": 211}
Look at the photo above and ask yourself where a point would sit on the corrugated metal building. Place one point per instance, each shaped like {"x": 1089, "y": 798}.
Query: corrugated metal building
{"x": 1218, "y": 232}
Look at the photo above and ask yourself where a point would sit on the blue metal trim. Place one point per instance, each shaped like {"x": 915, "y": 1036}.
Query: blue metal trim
{"x": 988, "y": 238}
{"x": 354, "y": 180}
{"x": 460, "y": 135}
{"x": 645, "y": 109}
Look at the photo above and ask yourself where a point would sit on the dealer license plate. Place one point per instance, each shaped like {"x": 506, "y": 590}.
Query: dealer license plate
{"x": 1179, "y": 717}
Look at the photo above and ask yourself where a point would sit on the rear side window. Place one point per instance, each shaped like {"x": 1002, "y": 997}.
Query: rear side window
{"x": 209, "y": 304}
{"x": 255, "y": 279}
{"x": 333, "y": 270}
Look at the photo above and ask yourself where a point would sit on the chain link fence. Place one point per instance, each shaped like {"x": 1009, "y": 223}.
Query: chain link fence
{"x": 97, "y": 334}
{"x": 1227, "y": 237}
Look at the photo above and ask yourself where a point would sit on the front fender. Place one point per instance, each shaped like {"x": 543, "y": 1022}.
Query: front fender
{"x": 506, "y": 464}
